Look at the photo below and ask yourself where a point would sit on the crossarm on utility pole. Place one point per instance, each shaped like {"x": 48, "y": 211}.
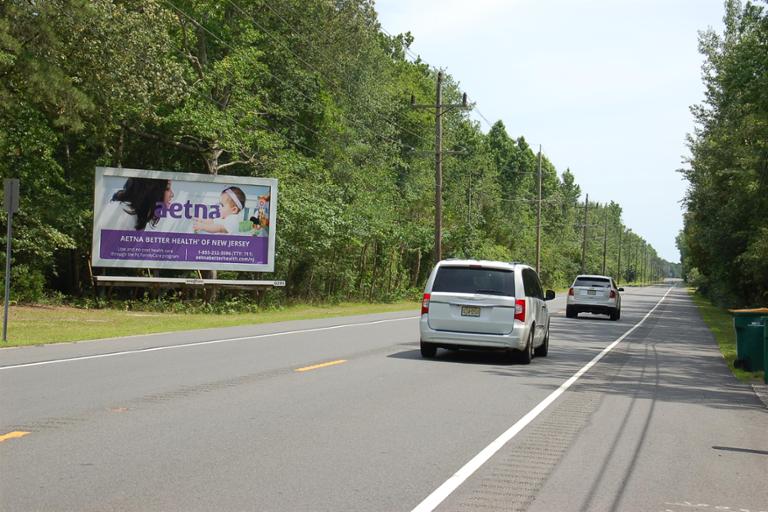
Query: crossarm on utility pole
{"x": 440, "y": 109}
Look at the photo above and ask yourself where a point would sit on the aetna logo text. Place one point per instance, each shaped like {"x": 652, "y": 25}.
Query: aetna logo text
{"x": 188, "y": 211}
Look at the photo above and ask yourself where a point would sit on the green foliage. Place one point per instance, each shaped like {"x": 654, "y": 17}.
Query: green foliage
{"x": 309, "y": 92}
{"x": 726, "y": 230}
{"x": 27, "y": 284}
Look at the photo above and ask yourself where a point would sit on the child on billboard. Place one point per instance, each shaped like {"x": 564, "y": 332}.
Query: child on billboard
{"x": 231, "y": 201}
{"x": 260, "y": 221}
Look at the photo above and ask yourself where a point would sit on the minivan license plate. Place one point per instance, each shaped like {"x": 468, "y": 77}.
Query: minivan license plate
{"x": 470, "y": 310}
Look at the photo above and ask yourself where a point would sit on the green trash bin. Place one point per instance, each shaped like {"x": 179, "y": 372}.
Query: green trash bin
{"x": 750, "y": 338}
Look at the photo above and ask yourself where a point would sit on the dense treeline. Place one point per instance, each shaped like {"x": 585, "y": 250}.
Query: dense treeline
{"x": 724, "y": 244}
{"x": 311, "y": 92}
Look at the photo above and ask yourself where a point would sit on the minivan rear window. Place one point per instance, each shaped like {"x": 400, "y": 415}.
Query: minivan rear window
{"x": 595, "y": 282}
{"x": 490, "y": 281}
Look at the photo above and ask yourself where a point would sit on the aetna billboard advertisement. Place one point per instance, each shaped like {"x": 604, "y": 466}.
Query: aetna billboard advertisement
{"x": 154, "y": 219}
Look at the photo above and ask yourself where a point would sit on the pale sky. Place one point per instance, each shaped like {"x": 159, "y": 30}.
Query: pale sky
{"x": 604, "y": 86}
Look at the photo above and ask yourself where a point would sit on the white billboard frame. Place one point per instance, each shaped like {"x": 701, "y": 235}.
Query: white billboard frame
{"x": 102, "y": 173}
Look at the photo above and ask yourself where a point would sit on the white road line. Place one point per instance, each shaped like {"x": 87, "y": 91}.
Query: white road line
{"x": 200, "y": 343}
{"x": 441, "y": 493}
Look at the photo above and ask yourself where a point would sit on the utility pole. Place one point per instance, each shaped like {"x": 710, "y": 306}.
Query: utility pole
{"x": 538, "y": 222}
{"x": 584, "y": 242}
{"x": 11, "y": 203}
{"x": 440, "y": 109}
{"x": 618, "y": 265}
{"x": 469, "y": 202}
{"x": 645, "y": 263}
{"x": 439, "y": 168}
{"x": 605, "y": 239}
{"x": 629, "y": 253}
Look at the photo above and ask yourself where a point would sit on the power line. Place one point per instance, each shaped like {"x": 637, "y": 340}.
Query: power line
{"x": 407, "y": 49}
{"x": 490, "y": 125}
{"x": 310, "y": 67}
{"x": 532, "y": 200}
{"x": 514, "y": 173}
{"x": 264, "y": 127}
{"x": 214, "y": 101}
{"x": 276, "y": 112}
{"x": 283, "y": 82}
{"x": 336, "y": 84}
{"x": 481, "y": 115}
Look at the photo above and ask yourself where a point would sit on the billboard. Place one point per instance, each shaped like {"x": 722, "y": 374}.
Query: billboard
{"x": 155, "y": 219}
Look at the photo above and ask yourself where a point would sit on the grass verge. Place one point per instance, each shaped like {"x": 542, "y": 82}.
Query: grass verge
{"x": 37, "y": 325}
{"x": 720, "y": 322}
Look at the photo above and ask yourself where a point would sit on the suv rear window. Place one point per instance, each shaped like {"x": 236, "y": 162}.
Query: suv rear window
{"x": 592, "y": 281}
{"x": 489, "y": 281}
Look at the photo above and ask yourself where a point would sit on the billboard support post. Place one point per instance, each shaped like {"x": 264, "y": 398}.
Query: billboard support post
{"x": 11, "y": 189}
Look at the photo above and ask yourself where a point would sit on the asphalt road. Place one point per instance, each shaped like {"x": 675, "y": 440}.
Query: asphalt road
{"x": 222, "y": 419}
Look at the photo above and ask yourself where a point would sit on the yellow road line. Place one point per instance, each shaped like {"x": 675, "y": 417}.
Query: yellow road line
{"x": 12, "y": 435}
{"x": 321, "y": 365}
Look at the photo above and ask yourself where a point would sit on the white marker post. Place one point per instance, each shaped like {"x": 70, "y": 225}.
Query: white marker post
{"x": 11, "y": 186}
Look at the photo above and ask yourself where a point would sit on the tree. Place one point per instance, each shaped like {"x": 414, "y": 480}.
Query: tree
{"x": 728, "y": 172}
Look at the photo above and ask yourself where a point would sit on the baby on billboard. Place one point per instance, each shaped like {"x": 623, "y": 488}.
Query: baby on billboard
{"x": 231, "y": 204}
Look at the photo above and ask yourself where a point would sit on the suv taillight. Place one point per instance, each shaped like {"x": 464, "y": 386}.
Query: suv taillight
{"x": 570, "y": 292}
{"x": 425, "y": 304}
{"x": 520, "y": 310}
{"x": 613, "y": 294}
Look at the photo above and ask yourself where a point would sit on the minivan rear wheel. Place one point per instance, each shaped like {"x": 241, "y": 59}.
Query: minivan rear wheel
{"x": 428, "y": 350}
{"x": 543, "y": 349}
{"x": 526, "y": 355}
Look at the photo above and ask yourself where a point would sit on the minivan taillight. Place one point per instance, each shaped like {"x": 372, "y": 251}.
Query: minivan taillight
{"x": 425, "y": 304}
{"x": 520, "y": 310}
{"x": 570, "y": 292}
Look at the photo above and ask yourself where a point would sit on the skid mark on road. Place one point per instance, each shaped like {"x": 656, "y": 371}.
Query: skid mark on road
{"x": 511, "y": 483}
{"x": 49, "y": 424}
{"x": 448, "y": 487}
{"x": 740, "y": 450}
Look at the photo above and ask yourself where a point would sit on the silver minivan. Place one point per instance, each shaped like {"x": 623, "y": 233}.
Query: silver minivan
{"x": 476, "y": 304}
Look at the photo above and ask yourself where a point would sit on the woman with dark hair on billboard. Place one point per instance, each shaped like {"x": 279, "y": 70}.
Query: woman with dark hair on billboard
{"x": 135, "y": 205}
